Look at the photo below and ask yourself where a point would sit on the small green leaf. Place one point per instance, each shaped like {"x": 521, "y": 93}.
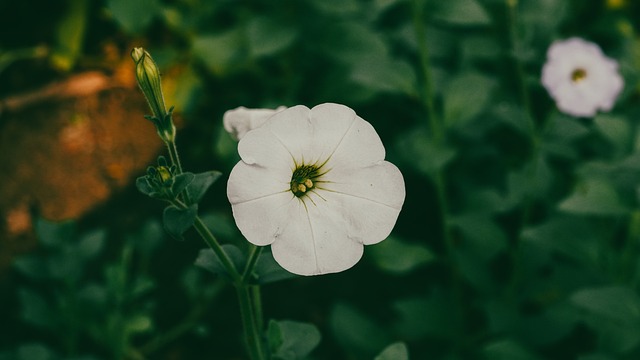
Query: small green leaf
{"x": 465, "y": 97}
{"x": 292, "y": 340}
{"x": 35, "y": 309}
{"x": 177, "y": 221}
{"x": 386, "y": 75}
{"x": 616, "y": 303}
{"x": 593, "y": 197}
{"x": 219, "y": 52}
{"x": 31, "y": 266}
{"x": 181, "y": 182}
{"x": 396, "y": 256}
{"x": 419, "y": 151}
{"x": 138, "y": 324}
{"x": 91, "y": 244}
{"x": 395, "y": 351}
{"x": 208, "y": 260}
{"x": 133, "y": 15}
{"x": 357, "y": 331}
{"x": 507, "y": 350}
{"x": 52, "y": 234}
{"x": 267, "y": 36}
{"x": 616, "y": 129}
{"x": 35, "y": 352}
{"x": 201, "y": 184}
{"x": 460, "y": 12}
{"x": 267, "y": 270}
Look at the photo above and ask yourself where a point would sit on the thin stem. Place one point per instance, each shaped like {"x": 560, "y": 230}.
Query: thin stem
{"x": 249, "y": 323}
{"x": 423, "y": 52}
{"x": 213, "y": 243}
{"x": 251, "y": 263}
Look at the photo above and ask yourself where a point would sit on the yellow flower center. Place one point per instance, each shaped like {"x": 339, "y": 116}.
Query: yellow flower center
{"x": 578, "y": 75}
{"x": 303, "y": 179}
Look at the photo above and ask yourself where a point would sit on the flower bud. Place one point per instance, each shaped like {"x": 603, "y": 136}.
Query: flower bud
{"x": 148, "y": 77}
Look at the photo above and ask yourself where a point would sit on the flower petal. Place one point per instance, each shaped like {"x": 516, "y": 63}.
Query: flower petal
{"x": 265, "y": 219}
{"x": 251, "y": 182}
{"x": 261, "y": 148}
{"x": 316, "y": 242}
{"x": 380, "y": 183}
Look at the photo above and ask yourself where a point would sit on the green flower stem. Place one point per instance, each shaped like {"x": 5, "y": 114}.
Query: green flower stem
{"x": 213, "y": 243}
{"x": 437, "y": 132}
{"x": 175, "y": 160}
{"x": 423, "y": 52}
{"x": 250, "y": 323}
{"x": 254, "y": 254}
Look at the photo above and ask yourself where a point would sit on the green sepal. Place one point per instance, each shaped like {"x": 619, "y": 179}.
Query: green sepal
{"x": 177, "y": 221}
{"x": 143, "y": 185}
{"x": 201, "y": 183}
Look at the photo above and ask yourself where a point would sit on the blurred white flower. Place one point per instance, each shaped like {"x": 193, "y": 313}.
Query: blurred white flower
{"x": 239, "y": 121}
{"x": 580, "y": 78}
{"x": 314, "y": 184}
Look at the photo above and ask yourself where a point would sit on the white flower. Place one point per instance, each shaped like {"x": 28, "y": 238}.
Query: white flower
{"x": 314, "y": 185}
{"x": 239, "y": 121}
{"x": 580, "y": 78}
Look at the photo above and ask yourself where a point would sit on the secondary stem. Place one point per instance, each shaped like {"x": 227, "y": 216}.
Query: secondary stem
{"x": 250, "y": 323}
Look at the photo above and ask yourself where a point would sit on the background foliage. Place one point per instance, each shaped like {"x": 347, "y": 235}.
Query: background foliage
{"x": 519, "y": 238}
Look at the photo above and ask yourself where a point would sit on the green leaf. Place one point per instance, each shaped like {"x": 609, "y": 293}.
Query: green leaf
{"x": 460, "y": 12}
{"x": 355, "y": 330}
{"x": 419, "y": 151}
{"x": 418, "y": 318}
{"x": 616, "y": 129}
{"x": 144, "y": 187}
{"x": 219, "y": 52}
{"x": 507, "y": 350}
{"x": 138, "y": 324}
{"x": 69, "y": 35}
{"x": 385, "y": 75}
{"x": 53, "y": 234}
{"x": 614, "y": 313}
{"x": 133, "y": 15}
{"x": 91, "y": 244}
{"x": 35, "y": 309}
{"x": 177, "y": 221}
{"x": 396, "y": 256}
{"x": 181, "y": 182}
{"x": 201, "y": 184}
{"x": 267, "y": 36}
{"x": 208, "y": 260}
{"x": 31, "y": 266}
{"x": 35, "y": 352}
{"x": 353, "y": 43}
{"x": 395, "y": 351}
{"x": 593, "y": 197}
{"x": 465, "y": 97}
{"x": 292, "y": 340}
{"x": 267, "y": 270}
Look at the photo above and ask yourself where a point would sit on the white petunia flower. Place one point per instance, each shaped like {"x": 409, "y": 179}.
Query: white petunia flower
{"x": 580, "y": 78}
{"x": 239, "y": 121}
{"x": 314, "y": 184}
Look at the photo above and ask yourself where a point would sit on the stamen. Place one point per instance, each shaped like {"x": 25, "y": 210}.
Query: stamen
{"x": 578, "y": 75}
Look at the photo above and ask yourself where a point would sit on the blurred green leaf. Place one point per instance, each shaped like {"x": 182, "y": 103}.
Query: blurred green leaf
{"x": 138, "y": 324}
{"x": 419, "y": 151}
{"x": 593, "y": 197}
{"x": 53, "y": 234}
{"x": 35, "y": 352}
{"x": 616, "y": 130}
{"x": 395, "y": 351}
{"x": 181, "y": 181}
{"x": 386, "y": 75}
{"x": 292, "y": 340}
{"x": 201, "y": 183}
{"x": 91, "y": 244}
{"x": 208, "y": 260}
{"x": 466, "y": 96}
{"x": 480, "y": 48}
{"x": 356, "y": 331}
{"x": 134, "y": 15}
{"x": 418, "y": 318}
{"x": 460, "y": 12}
{"x": 69, "y": 35}
{"x": 353, "y": 43}
{"x": 614, "y": 313}
{"x": 31, "y": 266}
{"x": 222, "y": 225}
{"x": 220, "y": 53}
{"x": 267, "y": 270}
{"x": 176, "y": 221}
{"x": 507, "y": 350}
{"x": 35, "y": 309}
{"x": 268, "y": 36}
{"x": 398, "y": 257}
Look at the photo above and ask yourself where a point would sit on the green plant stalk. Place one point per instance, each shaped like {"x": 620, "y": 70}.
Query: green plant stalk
{"x": 254, "y": 254}
{"x": 437, "y": 132}
{"x": 250, "y": 323}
